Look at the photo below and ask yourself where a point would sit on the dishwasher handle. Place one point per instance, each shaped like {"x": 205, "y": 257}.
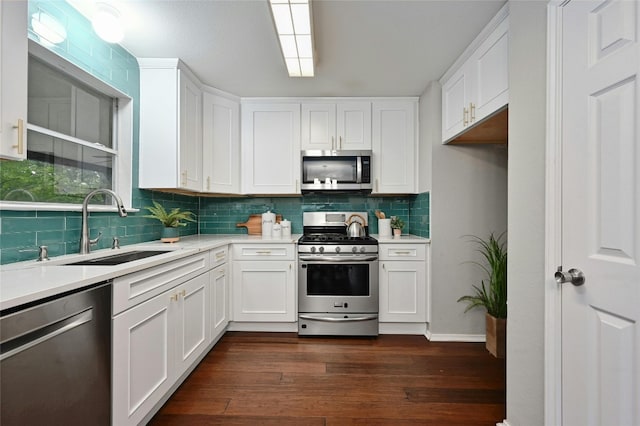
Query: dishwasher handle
{"x": 38, "y": 335}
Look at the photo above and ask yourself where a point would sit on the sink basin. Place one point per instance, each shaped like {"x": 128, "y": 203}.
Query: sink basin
{"x": 117, "y": 259}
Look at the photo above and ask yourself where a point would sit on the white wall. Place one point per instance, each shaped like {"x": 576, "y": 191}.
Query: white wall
{"x": 525, "y": 328}
{"x": 468, "y": 197}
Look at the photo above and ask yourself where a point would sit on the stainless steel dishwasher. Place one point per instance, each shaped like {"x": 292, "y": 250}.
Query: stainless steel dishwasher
{"x": 55, "y": 360}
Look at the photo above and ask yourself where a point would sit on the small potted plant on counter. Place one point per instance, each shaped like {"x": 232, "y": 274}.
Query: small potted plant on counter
{"x": 171, "y": 221}
{"x": 397, "y": 224}
{"x": 493, "y": 294}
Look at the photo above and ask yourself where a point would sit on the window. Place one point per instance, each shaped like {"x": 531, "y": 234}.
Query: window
{"x": 73, "y": 141}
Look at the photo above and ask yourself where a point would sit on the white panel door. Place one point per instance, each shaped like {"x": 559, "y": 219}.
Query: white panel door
{"x": 219, "y": 301}
{"x": 601, "y": 213}
{"x": 353, "y": 123}
{"x": 403, "y": 291}
{"x": 143, "y": 358}
{"x": 190, "y": 134}
{"x": 192, "y": 321}
{"x": 318, "y": 126}
{"x": 455, "y": 108}
{"x": 13, "y": 79}
{"x": 220, "y": 144}
{"x": 264, "y": 291}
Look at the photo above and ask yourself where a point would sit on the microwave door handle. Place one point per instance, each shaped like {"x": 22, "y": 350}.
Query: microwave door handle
{"x": 358, "y": 169}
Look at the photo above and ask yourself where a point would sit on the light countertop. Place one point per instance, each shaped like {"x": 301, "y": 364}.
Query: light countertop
{"x": 25, "y": 282}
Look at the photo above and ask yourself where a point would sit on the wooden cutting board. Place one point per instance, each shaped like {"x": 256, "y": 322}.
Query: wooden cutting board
{"x": 254, "y": 224}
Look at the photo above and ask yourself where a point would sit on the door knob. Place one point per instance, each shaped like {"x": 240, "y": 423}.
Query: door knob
{"x": 573, "y": 276}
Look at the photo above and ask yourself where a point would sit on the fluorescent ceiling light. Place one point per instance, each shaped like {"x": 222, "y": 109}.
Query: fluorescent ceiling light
{"x": 107, "y": 24}
{"x": 293, "y": 24}
{"x": 48, "y": 29}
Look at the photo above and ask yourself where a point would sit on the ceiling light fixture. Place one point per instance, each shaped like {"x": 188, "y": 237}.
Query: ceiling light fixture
{"x": 107, "y": 24}
{"x": 293, "y": 25}
{"x": 48, "y": 29}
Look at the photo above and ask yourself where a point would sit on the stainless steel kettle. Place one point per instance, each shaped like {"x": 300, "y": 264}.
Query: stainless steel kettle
{"x": 355, "y": 229}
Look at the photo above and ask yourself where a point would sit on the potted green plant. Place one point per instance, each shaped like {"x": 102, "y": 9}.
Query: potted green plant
{"x": 171, "y": 220}
{"x": 492, "y": 295}
{"x": 397, "y": 224}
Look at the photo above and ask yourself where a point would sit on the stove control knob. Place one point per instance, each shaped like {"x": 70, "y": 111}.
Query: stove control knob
{"x": 362, "y": 249}
{"x": 321, "y": 249}
{"x": 337, "y": 249}
{"x": 313, "y": 249}
{"x": 354, "y": 249}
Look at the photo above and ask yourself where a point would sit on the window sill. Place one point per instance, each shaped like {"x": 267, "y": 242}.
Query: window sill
{"x": 57, "y": 207}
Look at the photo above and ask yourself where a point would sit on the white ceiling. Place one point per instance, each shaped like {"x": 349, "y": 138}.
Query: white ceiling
{"x": 363, "y": 47}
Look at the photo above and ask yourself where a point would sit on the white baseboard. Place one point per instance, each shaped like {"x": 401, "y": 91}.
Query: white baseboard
{"x": 433, "y": 337}
{"x": 402, "y": 328}
{"x": 503, "y": 423}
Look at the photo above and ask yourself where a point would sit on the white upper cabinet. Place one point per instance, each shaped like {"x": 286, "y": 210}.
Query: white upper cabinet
{"x": 271, "y": 148}
{"x": 479, "y": 86}
{"x": 13, "y": 79}
{"x": 394, "y": 147}
{"x": 345, "y": 125}
{"x": 170, "y": 126}
{"x": 220, "y": 144}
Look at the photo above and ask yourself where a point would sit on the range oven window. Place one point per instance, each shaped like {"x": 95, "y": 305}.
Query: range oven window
{"x": 338, "y": 280}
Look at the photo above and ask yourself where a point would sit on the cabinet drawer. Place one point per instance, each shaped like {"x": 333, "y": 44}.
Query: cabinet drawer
{"x": 219, "y": 256}
{"x": 135, "y": 288}
{"x": 402, "y": 251}
{"x": 263, "y": 252}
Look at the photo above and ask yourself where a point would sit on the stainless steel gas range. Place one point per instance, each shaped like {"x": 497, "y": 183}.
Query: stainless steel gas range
{"x": 337, "y": 277}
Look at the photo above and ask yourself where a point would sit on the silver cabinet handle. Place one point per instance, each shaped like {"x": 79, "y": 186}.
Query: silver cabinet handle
{"x": 39, "y": 335}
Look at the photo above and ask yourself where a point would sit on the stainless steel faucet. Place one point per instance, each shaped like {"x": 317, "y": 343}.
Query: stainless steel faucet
{"x": 85, "y": 241}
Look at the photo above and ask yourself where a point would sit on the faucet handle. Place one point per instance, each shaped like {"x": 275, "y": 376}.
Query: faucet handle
{"x": 115, "y": 244}
{"x": 43, "y": 252}
{"x": 96, "y": 239}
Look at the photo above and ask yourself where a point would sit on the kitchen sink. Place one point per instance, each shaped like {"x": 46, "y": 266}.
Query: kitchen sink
{"x": 117, "y": 259}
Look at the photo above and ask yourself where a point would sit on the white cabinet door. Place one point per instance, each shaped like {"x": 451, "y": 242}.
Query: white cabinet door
{"x": 264, "y": 291}
{"x": 220, "y": 144}
{"x": 318, "y": 126}
{"x": 271, "y": 148}
{"x": 480, "y": 87}
{"x": 455, "y": 102}
{"x": 170, "y": 126}
{"x": 190, "y": 142}
{"x": 13, "y": 79}
{"x": 143, "y": 358}
{"x": 394, "y": 147}
{"x": 345, "y": 125}
{"x": 491, "y": 74}
{"x": 353, "y": 125}
{"x": 403, "y": 291}
{"x": 192, "y": 321}
{"x": 219, "y": 301}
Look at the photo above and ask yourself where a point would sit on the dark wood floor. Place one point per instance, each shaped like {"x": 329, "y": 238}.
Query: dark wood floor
{"x": 281, "y": 379}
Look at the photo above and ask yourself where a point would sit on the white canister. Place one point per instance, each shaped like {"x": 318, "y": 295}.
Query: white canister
{"x": 276, "y": 232}
{"x": 286, "y": 228}
{"x": 384, "y": 228}
{"x": 268, "y": 219}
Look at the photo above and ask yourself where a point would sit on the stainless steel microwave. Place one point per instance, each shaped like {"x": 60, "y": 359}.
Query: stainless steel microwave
{"x": 336, "y": 171}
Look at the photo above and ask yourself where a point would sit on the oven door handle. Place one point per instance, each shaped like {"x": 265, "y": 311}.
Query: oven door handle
{"x": 330, "y": 319}
{"x": 338, "y": 258}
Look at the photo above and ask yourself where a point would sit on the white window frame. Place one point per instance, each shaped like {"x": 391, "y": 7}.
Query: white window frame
{"x": 123, "y": 136}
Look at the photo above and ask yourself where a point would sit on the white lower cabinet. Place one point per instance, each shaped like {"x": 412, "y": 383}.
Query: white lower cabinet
{"x": 219, "y": 301}
{"x": 403, "y": 283}
{"x": 154, "y": 343}
{"x": 264, "y": 291}
{"x": 264, "y": 283}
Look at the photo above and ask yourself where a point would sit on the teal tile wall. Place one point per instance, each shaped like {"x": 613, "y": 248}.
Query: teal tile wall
{"x": 220, "y": 215}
